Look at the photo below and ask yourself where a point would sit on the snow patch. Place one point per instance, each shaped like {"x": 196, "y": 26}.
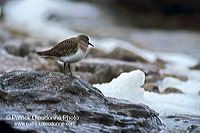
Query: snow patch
{"x": 127, "y": 86}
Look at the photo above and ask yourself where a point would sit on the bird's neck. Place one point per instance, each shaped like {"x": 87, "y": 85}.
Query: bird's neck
{"x": 83, "y": 47}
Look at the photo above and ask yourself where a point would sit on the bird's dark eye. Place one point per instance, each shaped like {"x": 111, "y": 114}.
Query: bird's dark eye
{"x": 84, "y": 39}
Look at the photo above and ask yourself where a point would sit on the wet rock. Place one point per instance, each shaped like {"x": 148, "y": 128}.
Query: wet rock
{"x": 160, "y": 63}
{"x": 153, "y": 77}
{"x": 47, "y": 64}
{"x": 25, "y": 49}
{"x": 9, "y": 62}
{"x": 182, "y": 124}
{"x": 193, "y": 129}
{"x": 102, "y": 74}
{"x": 19, "y": 48}
{"x": 197, "y": 66}
{"x": 151, "y": 13}
{"x": 165, "y": 7}
{"x": 96, "y": 53}
{"x": 123, "y": 54}
{"x": 172, "y": 90}
{"x": 118, "y": 53}
{"x": 38, "y": 96}
{"x": 104, "y": 70}
{"x": 183, "y": 78}
{"x": 30, "y": 62}
{"x": 151, "y": 87}
{"x": 12, "y": 47}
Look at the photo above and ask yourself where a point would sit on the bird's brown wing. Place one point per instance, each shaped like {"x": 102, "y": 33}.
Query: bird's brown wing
{"x": 65, "y": 47}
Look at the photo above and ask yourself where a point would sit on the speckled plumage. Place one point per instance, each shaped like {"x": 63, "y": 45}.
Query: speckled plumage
{"x": 69, "y": 51}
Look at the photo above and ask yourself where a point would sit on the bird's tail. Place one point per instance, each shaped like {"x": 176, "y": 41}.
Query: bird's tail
{"x": 42, "y": 53}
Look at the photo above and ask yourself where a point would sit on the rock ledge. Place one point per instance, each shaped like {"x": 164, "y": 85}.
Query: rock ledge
{"x": 51, "y": 97}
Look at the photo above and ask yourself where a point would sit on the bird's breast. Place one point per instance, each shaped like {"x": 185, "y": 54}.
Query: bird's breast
{"x": 79, "y": 55}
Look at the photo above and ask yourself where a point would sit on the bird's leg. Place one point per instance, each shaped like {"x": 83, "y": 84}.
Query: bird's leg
{"x": 64, "y": 68}
{"x": 69, "y": 69}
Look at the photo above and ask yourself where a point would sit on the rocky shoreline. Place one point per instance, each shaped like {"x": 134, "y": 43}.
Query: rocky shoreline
{"x": 40, "y": 93}
{"x": 34, "y": 86}
{"x": 36, "y": 93}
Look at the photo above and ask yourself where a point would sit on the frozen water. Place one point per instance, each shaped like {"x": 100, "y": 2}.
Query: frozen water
{"x": 126, "y": 86}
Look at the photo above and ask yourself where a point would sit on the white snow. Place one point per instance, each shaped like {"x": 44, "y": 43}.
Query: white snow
{"x": 126, "y": 86}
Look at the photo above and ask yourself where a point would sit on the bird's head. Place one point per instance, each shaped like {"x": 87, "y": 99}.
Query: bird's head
{"x": 84, "y": 39}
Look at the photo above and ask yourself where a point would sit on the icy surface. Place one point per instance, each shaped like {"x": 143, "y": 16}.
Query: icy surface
{"x": 126, "y": 86}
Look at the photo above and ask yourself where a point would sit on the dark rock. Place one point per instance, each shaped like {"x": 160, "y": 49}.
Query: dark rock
{"x": 193, "y": 129}
{"x": 96, "y": 53}
{"x": 191, "y": 124}
{"x": 158, "y": 13}
{"x": 29, "y": 62}
{"x": 164, "y": 6}
{"x": 104, "y": 70}
{"x": 86, "y": 76}
{"x": 26, "y": 95}
{"x": 19, "y": 48}
{"x": 123, "y": 54}
{"x": 47, "y": 64}
{"x": 10, "y": 62}
{"x": 25, "y": 49}
{"x": 118, "y": 53}
{"x": 12, "y": 47}
{"x": 183, "y": 78}
{"x": 160, "y": 63}
{"x": 197, "y": 66}
{"x": 154, "y": 13}
{"x": 101, "y": 74}
{"x": 172, "y": 90}
{"x": 151, "y": 87}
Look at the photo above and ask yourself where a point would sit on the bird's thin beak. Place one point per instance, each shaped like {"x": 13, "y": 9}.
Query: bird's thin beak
{"x": 91, "y": 44}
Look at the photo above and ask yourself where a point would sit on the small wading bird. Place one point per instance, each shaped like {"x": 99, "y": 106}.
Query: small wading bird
{"x": 69, "y": 51}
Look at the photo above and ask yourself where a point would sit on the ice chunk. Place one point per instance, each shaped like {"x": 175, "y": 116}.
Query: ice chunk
{"x": 127, "y": 86}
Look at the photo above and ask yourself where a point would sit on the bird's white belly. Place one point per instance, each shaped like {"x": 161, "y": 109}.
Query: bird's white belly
{"x": 79, "y": 55}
